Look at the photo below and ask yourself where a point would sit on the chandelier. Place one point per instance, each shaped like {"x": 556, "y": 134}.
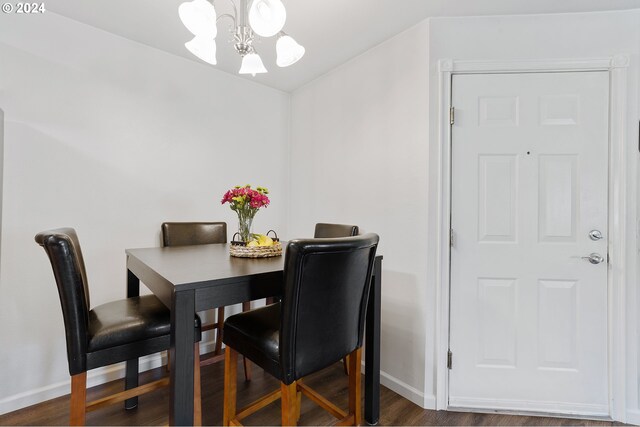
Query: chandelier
{"x": 264, "y": 18}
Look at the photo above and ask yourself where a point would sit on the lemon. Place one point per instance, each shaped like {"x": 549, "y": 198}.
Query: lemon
{"x": 265, "y": 240}
{"x": 252, "y": 244}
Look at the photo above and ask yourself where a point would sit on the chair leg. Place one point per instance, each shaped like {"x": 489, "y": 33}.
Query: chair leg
{"x": 355, "y": 390}
{"x": 345, "y": 363}
{"x": 219, "y": 325}
{"x": 230, "y": 385}
{"x": 78, "y": 399}
{"x": 298, "y": 405}
{"x": 289, "y": 404}
{"x": 247, "y": 368}
{"x": 197, "y": 391}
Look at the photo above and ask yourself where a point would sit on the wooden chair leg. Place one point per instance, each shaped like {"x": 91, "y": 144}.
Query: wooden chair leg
{"x": 197, "y": 391}
{"x": 247, "y": 368}
{"x": 345, "y": 363}
{"x": 289, "y": 404}
{"x": 230, "y": 385}
{"x": 78, "y": 399}
{"x": 298, "y": 405}
{"x": 355, "y": 389}
{"x": 219, "y": 325}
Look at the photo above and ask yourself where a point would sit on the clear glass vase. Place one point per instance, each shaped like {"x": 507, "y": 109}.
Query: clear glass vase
{"x": 244, "y": 228}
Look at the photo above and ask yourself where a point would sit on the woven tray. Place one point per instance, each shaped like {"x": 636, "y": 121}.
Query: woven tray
{"x": 242, "y": 251}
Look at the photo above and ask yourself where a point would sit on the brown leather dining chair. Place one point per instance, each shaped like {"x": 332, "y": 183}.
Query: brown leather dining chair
{"x": 298, "y": 336}
{"x": 109, "y": 333}
{"x": 204, "y": 233}
{"x": 324, "y": 230}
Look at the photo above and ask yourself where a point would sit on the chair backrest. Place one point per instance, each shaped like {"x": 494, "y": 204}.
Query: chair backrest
{"x": 63, "y": 248}
{"x": 335, "y": 230}
{"x": 193, "y": 233}
{"x": 326, "y": 288}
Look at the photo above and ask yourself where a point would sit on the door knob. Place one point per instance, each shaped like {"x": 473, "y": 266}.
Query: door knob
{"x": 594, "y": 258}
{"x": 595, "y": 235}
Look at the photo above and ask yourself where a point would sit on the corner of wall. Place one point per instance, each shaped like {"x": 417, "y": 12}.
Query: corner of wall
{"x": 1, "y": 171}
{"x": 288, "y": 165}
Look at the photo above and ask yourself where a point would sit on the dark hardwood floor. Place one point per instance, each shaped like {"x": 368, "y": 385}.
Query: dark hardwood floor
{"x": 332, "y": 383}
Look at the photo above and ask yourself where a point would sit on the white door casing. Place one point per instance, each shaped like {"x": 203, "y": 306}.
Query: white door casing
{"x": 528, "y": 315}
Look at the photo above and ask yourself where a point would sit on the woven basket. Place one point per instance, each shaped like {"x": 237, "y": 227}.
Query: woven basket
{"x": 241, "y": 251}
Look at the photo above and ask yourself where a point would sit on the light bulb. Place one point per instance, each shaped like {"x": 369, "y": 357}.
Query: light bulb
{"x": 252, "y": 64}
{"x": 289, "y": 51}
{"x": 204, "y": 48}
{"x": 267, "y": 17}
{"x": 199, "y": 16}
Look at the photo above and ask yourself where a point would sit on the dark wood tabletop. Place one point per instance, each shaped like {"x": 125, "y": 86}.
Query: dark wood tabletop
{"x": 186, "y": 267}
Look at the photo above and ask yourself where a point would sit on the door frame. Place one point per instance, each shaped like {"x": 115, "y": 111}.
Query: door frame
{"x": 621, "y": 189}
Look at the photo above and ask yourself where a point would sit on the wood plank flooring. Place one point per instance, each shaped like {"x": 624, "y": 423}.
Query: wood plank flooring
{"x": 332, "y": 383}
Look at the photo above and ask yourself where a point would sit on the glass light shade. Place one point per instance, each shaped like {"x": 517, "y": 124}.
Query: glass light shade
{"x": 199, "y": 16}
{"x": 267, "y": 17}
{"x": 252, "y": 64}
{"x": 289, "y": 51}
{"x": 204, "y": 48}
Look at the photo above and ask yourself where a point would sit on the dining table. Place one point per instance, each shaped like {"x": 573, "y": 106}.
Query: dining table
{"x": 190, "y": 279}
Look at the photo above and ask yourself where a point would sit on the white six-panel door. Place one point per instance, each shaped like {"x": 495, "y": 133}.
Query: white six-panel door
{"x": 528, "y": 325}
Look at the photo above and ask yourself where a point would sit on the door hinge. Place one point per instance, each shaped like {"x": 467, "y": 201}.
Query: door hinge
{"x": 451, "y": 237}
{"x": 452, "y": 115}
{"x": 449, "y": 359}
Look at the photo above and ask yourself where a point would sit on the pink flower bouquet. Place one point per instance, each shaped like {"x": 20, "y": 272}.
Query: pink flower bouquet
{"x": 246, "y": 202}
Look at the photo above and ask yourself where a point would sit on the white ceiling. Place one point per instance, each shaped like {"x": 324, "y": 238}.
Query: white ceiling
{"x": 332, "y": 31}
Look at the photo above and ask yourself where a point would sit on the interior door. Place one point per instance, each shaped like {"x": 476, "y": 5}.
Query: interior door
{"x": 528, "y": 326}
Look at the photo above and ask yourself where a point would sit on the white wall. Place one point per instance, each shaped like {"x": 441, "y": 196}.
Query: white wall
{"x": 359, "y": 145}
{"x": 112, "y": 137}
{"x": 365, "y": 149}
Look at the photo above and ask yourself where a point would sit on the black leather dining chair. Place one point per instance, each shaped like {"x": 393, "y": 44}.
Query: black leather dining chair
{"x": 109, "y": 333}
{"x": 326, "y": 230}
{"x": 299, "y": 335}
{"x": 204, "y": 233}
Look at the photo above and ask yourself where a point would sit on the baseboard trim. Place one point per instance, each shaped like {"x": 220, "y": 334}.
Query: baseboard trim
{"x": 633, "y": 417}
{"x": 94, "y": 378}
{"x": 529, "y": 407}
{"x": 405, "y": 390}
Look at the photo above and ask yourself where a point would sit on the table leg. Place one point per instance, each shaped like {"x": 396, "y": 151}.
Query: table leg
{"x": 181, "y": 371}
{"x": 372, "y": 348}
{"x": 131, "y": 375}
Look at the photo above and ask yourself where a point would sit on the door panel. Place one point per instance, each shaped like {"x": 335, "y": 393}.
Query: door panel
{"x": 497, "y": 198}
{"x": 528, "y": 327}
{"x": 558, "y": 197}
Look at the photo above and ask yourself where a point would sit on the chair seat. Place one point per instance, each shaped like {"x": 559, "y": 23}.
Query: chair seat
{"x": 129, "y": 320}
{"x": 256, "y": 335}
